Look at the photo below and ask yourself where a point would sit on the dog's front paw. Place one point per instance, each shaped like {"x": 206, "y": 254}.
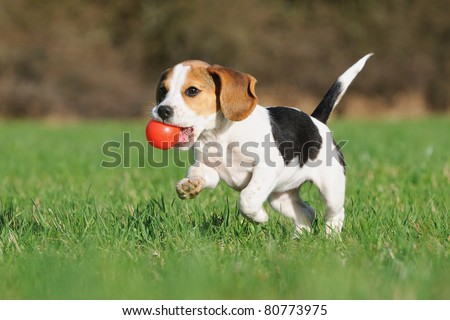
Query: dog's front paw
{"x": 190, "y": 188}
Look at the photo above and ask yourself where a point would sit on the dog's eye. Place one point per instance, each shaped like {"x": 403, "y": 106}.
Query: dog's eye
{"x": 192, "y": 91}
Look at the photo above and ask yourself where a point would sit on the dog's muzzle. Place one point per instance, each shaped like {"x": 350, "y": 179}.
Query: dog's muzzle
{"x": 165, "y": 112}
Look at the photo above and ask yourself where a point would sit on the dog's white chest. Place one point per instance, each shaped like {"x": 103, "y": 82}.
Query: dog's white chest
{"x": 233, "y": 167}
{"x": 234, "y": 151}
{"x": 235, "y": 177}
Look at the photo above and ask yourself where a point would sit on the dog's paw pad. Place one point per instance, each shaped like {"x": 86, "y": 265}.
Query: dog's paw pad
{"x": 189, "y": 188}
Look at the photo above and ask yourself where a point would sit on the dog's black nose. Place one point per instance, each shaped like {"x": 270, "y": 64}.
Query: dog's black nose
{"x": 165, "y": 112}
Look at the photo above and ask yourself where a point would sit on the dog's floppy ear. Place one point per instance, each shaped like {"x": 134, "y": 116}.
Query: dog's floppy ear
{"x": 160, "y": 90}
{"x": 235, "y": 92}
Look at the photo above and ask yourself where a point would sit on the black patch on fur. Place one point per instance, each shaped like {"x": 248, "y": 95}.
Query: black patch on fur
{"x": 325, "y": 107}
{"x": 295, "y": 134}
{"x": 341, "y": 156}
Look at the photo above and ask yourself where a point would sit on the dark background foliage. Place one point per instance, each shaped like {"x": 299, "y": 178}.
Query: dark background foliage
{"x": 98, "y": 58}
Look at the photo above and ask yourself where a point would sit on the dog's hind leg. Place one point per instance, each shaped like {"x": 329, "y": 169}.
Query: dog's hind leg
{"x": 292, "y": 206}
{"x": 335, "y": 215}
{"x": 332, "y": 189}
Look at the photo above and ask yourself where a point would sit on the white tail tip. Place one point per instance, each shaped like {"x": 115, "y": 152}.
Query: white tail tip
{"x": 347, "y": 77}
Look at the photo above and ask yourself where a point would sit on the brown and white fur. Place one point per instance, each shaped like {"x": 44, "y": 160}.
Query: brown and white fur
{"x": 264, "y": 153}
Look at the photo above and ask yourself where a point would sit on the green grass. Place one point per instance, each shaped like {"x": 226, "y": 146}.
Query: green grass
{"x": 70, "y": 229}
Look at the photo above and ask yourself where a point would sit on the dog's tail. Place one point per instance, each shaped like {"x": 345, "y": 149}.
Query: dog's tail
{"x": 337, "y": 90}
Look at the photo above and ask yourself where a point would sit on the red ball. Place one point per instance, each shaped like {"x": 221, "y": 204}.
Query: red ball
{"x": 161, "y": 135}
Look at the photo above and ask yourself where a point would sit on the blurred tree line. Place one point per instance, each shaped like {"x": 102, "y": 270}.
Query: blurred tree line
{"x": 101, "y": 58}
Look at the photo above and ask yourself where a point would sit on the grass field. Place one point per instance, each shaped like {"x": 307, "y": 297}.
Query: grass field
{"x": 70, "y": 229}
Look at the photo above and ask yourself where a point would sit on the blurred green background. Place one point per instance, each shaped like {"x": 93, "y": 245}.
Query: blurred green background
{"x": 98, "y": 58}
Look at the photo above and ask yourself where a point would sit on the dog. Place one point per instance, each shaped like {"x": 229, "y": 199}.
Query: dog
{"x": 264, "y": 153}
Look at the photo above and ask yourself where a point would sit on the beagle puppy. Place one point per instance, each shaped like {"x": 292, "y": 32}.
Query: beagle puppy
{"x": 264, "y": 153}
